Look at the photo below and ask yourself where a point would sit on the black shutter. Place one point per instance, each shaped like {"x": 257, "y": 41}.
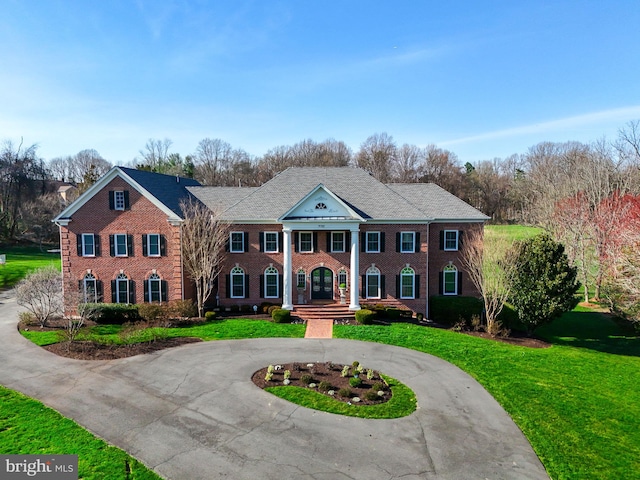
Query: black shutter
{"x": 398, "y": 291}
{"x": 363, "y": 241}
{"x": 261, "y": 286}
{"x": 459, "y": 283}
{"x": 246, "y": 286}
{"x": 112, "y": 201}
{"x": 416, "y": 286}
{"x": 329, "y": 249}
{"x": 99, "y": 291}
{"x": 164, "y": 287}
{"x": 227, "y": 279}
{"x": 364, "y": 287}
{"x": 245, "y": 238}
{"x": 113, "y": 291}
{"x": 441, "y": 283}
{"x": 227, "y": 244}
{"x": 315, "y": 241}
{"x": 79, "y": 244}
{"x": 347, "y": 241}
{"x": 398, "y": 240}
{"x": 132, "y": 291}
{"x": 127, "y": 206}
{"x": 145, "y": 252}
{"x": 281, "y": 242}
{"x": 441, "y": 239}
{"x": 296, "y": 241}
{"x": 417, "y": 244}
{"x": 130, "y": 245}
{"x": 96, "y": 244}
{"x": 460, "y": 232}
{"x": 280, "y": 284}
{"x": 112, "y": 246}
{"x": 383, "y": 290}
{"x": 381, "y": 241}
{"x": 261, "y": 236}
{"x": 163, "y": 246}
{"x": 146, "y": 291}
{"x": 80, "y": 286}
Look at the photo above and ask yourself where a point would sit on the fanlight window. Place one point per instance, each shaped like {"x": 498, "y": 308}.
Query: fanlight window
{"x": 321, "y": 206}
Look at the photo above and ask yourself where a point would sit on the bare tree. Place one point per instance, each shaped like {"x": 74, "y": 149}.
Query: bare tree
{"x": 489, "y": 266}
{"x": 155, "y": 154}
{"x": 377, "y": 155}
{"x": 204, "y": 236}
{"x": 405, "y": 168}
{"x": 442, "y": 168}
{"x": 40, "y": 292}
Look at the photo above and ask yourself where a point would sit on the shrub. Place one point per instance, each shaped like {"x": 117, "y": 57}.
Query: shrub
{"x": 393, "y": 313}
{"x": 420, "y": 317}
{"x": 272, "y": 308}
{"x": 344, "y": 392}
{"x": 372, "y": 395}
{"x": 450, "y": 309}
{"x": 324, "y": 386}
{"x": 234, "y": 308}
{"x": 209, "y": 316}
{"x": 355, "y": 382}
{"x": 40, "y": 293}
{"x": 115, "y": 313}
{"x": 345, "y": 371}
{"x": 287, "y": 374}
{"x": 378, "y": 386}
{"x": 306, "y": 379}
{"x": 365, "y": 317}
{"x": 246, "y": 308}
{"x": 151, "y": 312}
{"x": 26, "y": 318}
{"x": 182, "y": 309}
{"x": 280, "y": 315}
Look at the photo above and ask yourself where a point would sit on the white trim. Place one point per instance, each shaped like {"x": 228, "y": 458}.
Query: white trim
{"x": 413, "y": 242}
{"x": 413, "y": 283}
{"x": 450, "y": 269}
{"x": 231, "y": 250}
{"x": 264, "y": 239}
{"x": 271, "y": 274}
{"x": 115, "y": 245}
{"x": 149, "y": 254}
{"x": 239, "y": 273}
{"x": 372, "y": 271}
{"x": 366, "y": 242}
{"x": 344, "y": 241}
{"x": 300, "y": 250}
{"x": 444, "y": 245}
{"x": 93, "y": 239}
{"x": 351, "y": 211}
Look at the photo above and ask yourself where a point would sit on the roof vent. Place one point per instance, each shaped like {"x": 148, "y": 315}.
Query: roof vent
{"x": 177, "y": 179}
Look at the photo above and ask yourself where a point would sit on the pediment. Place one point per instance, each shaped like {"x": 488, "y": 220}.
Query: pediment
{"x": 321, "y": 203}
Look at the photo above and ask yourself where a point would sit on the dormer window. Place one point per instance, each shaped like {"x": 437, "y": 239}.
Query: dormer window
{"x": 119, "y": 200}
{"x": 321, "y": 206}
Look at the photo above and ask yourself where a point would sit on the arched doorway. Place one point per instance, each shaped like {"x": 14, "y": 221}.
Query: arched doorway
{"x": 322, "y": 284}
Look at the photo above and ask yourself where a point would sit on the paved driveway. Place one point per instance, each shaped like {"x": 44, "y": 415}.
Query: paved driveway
{"x": 193, "y": 413}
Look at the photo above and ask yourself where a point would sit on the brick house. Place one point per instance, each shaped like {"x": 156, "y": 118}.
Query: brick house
{"x": 296, "y": 239}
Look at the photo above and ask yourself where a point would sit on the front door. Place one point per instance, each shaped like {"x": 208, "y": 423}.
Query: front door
{"x": 322, "y": 284}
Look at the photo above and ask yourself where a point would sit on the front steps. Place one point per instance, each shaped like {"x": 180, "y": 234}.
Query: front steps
{"x": 333, "y": 311}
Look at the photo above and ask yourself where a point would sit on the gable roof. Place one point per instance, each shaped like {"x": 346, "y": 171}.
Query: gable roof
{"x": 164, "y": 191}
{"x": 368, "y": 198}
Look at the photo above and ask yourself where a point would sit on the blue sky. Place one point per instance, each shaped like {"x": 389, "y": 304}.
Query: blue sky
{"x": 483, "y": 79}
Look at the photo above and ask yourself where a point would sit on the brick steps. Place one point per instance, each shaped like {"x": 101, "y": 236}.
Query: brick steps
{"x": 322, "y": 312}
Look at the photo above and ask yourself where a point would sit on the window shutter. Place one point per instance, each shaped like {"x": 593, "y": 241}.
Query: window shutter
{"x": 459, "y": 283}
{"x": 80, "y": 286}
{"x": 280, "y": 284}
{"x": 79, "y": 243}
{"x": 441, "y": 283}
{"x": 329, "y": 249}
{"x": 227, "y": 279}
{"x": 112, "y": 201}
{"x": 460, "y": 232}
{"x": 96, "y": 244}
{"x": 130, "y": 245}
{"x": 347, "y": 241}
{"x": 145, "y": 251}
{"x": 113, "y": 291}
{"x": 416, "y": 286}
{"x": 363, "y": 241}
{"x": 261, "y": 235}
{"x": 398, "y": 290}
{"x": 262, "y": 282}
{"x": 296, "y": 241}
{"x": 417, "y": 240}
{"x": 163, "y": 246}
{"x": 315, "y": 241}
{"x": 164, "y": 287}
{"x": 441, "y": 239}
{"x": 127, "y": 206}
{"x": 246, "y": 286}
{"x": 398, "y": 240}
{"x": 112, "y": 246}
{"x": 132, "y": 291}
{"x": 383, "y": 290}
{"x": 245, "y": 238}
{"x": 146, "y": 292}
{"x": 227, "y": 244}
{"x": 364, "y": 287}
{"x": 281, "y": 242}
{"x": 99, "y": 290}
{"x": 381, "y": 242}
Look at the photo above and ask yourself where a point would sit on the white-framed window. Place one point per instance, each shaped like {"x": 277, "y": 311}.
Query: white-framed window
{"x": 237, "y": 282}
{"x": 271, "y": 283}
{"x": 451, "y": 240}
{"x": 407, "y": 242}
{"x": 118, "y": 200}
{"x": 271, "y": 242}
{"x": 407, "y": 283}
{"x": 236, "y": 242}
{"x": 342, "y": 277}
{"x": 154, "y": 288}
{"x": 372, "y": 242}
{"x": 373, "y": 282}
{"x": 450, "y": 280}
{"x": 301, "y": 281}
{"x": 337, "y": 242}
{"x": 89, "y": 289}
{"x": 88, "y": 245}
{"x": 120, "y": 245}
{"x": 122, "y": 289}
{"x": 153, "y": 245}
{"x": 305, "y": 242}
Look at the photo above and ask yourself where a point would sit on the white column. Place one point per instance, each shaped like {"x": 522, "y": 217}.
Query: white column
{"x": 286, "y": 270}
{"x": 354, "y": 301}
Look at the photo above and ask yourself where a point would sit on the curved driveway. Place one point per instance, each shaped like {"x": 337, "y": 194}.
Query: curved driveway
{"x": 192, "y": 412}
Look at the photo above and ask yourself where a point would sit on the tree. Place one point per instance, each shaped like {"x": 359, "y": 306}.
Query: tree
{"x": 40, "y": 292}
{"x": 543, "y": 283}
{"x": 490, "y": 265}
{"x": 377, "y": 156}
{"x": 204, "y": 236}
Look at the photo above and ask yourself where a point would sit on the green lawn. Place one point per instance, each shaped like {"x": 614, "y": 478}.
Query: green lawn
{"x": 27, "y": 427}
{"x": 511, "y": 232}
{"x": 21, "y": 260}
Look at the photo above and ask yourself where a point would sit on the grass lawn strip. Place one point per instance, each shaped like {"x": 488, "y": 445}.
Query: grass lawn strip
{"x": 21, "y": 261}
{"x": 27, "y": 427}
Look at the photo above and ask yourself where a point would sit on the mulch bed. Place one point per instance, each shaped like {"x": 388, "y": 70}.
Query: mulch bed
{"x": 322, "y": 372}
{"x": 98, "y": 351}
{"x": 515, "y": 338}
